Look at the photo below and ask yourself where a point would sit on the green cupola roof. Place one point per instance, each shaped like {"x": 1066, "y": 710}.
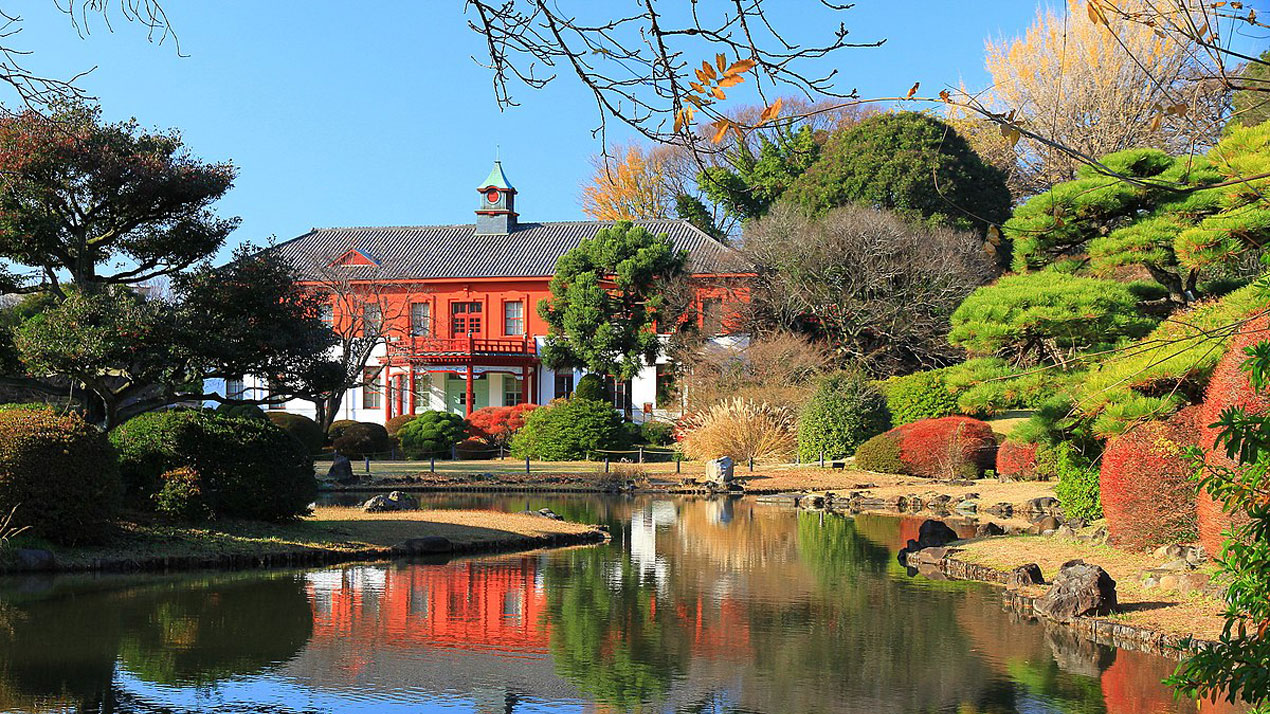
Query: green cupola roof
{"x": 497, "y": 178}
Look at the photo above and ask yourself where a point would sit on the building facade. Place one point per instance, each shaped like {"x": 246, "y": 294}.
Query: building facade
{"x": 456, "y": 306}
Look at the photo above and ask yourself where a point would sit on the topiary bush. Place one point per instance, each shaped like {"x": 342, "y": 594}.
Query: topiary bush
{"x": 473, "y": 449}
{"x": 1017, "y": 460}
{"x": 880, "y": 454}
{"x": 569, "y": 431}
{"x": 247, "y": 468}
{"x": 590, "y": 386}
{"x": 243, "y": 411}
{"x": 496, "y": 425}
{"x": 658, "y": 433}
{"x": 948, "y": 447}
{"x": 432, "y": 434}
{"x": 1148, "y": 493}
{"x": 182, "y": 495}
{"x": 301, "y": 428}
{"x": 59, "y": 473}
{"x": 393, "y": 425}
{"x": 844, "y": 412}
{"x": 361, "y": 439}
{"x": 921, "y": 395}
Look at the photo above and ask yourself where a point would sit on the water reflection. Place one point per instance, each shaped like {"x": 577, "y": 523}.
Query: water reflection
{"x": 696, "y": 606}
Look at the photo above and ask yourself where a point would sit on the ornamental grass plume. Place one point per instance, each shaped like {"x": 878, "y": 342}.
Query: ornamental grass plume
{"x": 740, "y": 428}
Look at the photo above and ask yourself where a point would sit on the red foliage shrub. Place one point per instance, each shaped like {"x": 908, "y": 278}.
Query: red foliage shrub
{"x": 948, "y": 447}
{"x": 1228, "y": 387}
{"x": 474, "y": 449}
{"x": 1016, "y": 460}
{"x": 394, "y": 424}
{"x": 495, "y": 425}
{"x": 1148, "y": 493}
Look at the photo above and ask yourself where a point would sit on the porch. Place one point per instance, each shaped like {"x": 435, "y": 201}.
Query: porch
{"x": 416, "y": 387}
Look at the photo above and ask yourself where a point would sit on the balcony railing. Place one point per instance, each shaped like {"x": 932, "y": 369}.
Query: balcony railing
{"x": 454, "y": 346}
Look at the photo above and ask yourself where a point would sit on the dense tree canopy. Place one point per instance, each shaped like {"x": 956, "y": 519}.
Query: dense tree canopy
{"x": 750, "y": 179}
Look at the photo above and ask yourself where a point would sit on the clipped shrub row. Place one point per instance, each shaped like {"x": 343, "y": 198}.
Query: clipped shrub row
{"x": 569, "y": 430}
{"x": 1148, "y": 493}
{"x": 948, "y": 447}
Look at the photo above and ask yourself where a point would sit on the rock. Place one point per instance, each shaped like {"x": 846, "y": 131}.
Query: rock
{"x": 929, "y": 556}
{"x": 341, "y": 470}
{"x": 548, "y": 513}
{"x": 987, "y": 530}
{"x": 1193, "y": 555}
{"x": 394, "y": 501}
{"x": 35, "y": 559}
{"x": 896, "y": 503}
{"x": 1025, "y": 575}
{"x": 1004, "y": 510}
{"x": 931, "y": 534}
{"x": 1045, "y": 526}
{"x": 1065, "y": 531}
{"x": 1043, "y": 504}
{"x": 970, "y": 496}
{"x": 720, "y": 471}
{"x": 426, "y": 545}
{"x": 968, "y": 507}
{"x": 915, "y": 504}
{"x": 1080, "y": 589}
{"x": 1098, "y": 537}
{"x": 811, "y": 501}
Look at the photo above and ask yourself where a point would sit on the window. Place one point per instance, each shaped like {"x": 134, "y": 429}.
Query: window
{"x": 326, "y": 313}
{"x": 712, "y": 316}
{"x": 372, "y": 320}
{"x": 372, "y": 390}
{"x": 275, "y": 396}
{"x": 619, "y": 391}
{"x": 564, "y": 384}
{"x": 514, "y": 318}
{"x": 235, "y": 388}
{"x": 513, "y": 389}
{"x": 465, "y": 318}
{"x": 420, "y": 319}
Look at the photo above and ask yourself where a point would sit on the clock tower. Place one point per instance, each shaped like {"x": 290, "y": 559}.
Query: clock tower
{"x": 497, "y": 214}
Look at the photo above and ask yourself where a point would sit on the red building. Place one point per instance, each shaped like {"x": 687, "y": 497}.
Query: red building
{"x": 458, "y": 306}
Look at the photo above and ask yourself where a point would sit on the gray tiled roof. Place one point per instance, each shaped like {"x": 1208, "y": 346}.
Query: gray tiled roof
{"x": 422, "y": 252}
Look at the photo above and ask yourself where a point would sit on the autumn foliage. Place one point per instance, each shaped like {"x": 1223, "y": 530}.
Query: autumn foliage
{"x": 950, "y": 447}
{"x": 1148, "y": 493}
{"x": 1016, "y": 460}
{"x": 496, "y": 425}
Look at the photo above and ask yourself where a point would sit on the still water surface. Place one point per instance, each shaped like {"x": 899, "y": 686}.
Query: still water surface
{"x": 695, "y": 606}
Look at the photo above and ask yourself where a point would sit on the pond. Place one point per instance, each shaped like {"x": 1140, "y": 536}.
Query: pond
{"x": 696, "y": 606}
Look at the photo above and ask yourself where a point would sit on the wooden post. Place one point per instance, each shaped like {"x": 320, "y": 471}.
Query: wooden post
{"x": 387, "y": 391}
{"x": 471, "y": 392}
{"x": 533, "y": 385}
{"x": 641, "y": 454}
{"x": 606, "y": 463}
{"x": 526, "y": 465}
{"x": 367, "y": 464}
{"x": 432, "y": 463}
{"x": 412, "y": 389}
{"x": 678, "y": 461}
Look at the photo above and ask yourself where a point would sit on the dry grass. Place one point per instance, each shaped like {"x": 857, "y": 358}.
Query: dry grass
{"x": 741, "y": 429}
{"x": 1156, "y": 609}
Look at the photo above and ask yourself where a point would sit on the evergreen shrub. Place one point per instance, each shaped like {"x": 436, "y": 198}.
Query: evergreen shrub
{"x": 844, "y": 412}
{"x": 432, "y": 434}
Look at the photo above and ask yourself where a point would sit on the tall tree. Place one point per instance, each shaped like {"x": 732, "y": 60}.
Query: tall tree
{"x": 606, "y": 301}
{"x": 749, "y": 179}
{"x": 629, "y": 187}
{"x": 1251, "y": 106}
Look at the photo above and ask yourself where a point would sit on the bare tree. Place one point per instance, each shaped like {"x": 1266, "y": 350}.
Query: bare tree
{"x": 879, "y": 290}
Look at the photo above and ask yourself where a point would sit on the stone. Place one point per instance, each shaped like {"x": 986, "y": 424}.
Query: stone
{"x": 394, "y": 501}
{"x": 1079, "y": 589}
{"x": 1045, "y": 526}
{"x": 1004, "y": 510}
{"x": 548, "y": 513}
{"x": 427, "y": 545}
{"x": 968, "y": 507}
{"x": 929, "y": 556}
{"x": 35, "y": 559}
{"x": 1065, "y": 531}
{"x": 987, "y": 530}
{"x": 1025, "y": 575}
{"x": 931, "y": 534}
{"x": 915, "y": 504}
{"x": 341, "y": 470}
{"x": 720, "y": 471}
{"x": 1043, "y": 504}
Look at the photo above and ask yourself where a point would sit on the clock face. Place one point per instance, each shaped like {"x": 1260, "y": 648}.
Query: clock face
{"x": 492, "y": 195}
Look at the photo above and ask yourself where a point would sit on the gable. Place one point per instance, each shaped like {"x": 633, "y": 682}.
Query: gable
{"x": 354, "y": 257}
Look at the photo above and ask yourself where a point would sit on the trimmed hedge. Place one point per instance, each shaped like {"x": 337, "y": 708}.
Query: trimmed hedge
{"x": 359, "y": 439}
{"x": 1078, "y": 480}
{"x": 590, "y": 386}
{"x": 242, "y": 411}
{"x": 59, "y": 473}
{"x": 844, "y": 412}
{"x": 247, "y": 468}
{"x": 949, "y": 447}
{"x": 432, "y": 434}
{"x": 569, "y": 431}
{"x": 1148, "y": 493}
{"x": 393, "y": 425}
{"x": 658, "y": 433}
{"x": 182, "y": 495}
{"x": 922, "y": 395}
{"x": 301, "y": 428}
{"x": 880, "y": 454}
{"x": 1017, "y": 460}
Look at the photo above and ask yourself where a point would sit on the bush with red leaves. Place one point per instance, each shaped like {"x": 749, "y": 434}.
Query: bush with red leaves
{"x": 949, "y": 447}
{"x": 1148, "y": 489}
{"x": 1016, "y": 459}
{"x": 473, "y": 449}
{"x": 496, "y": 425}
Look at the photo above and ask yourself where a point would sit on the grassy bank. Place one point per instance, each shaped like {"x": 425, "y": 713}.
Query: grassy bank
{"x": 328, "y": 535}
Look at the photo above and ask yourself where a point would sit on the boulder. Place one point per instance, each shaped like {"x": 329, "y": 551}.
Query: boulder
{"x": 1004, "y": 510}
{"x": 1080, "y": 589}
{"x": 1044, "y": 504}
{"x": 1045, "y": 525}
{"x": 1025, "y": 575}
{"x": 34, "y": 559}
{"x": 341, "y": 470}
{"x": 931, "y": 534}
{"x": 548, "y": 513}
{"x": 427, "y": 545}
{"x": 720, "y": 471}
{"x": 394, "y": 501}
{"x": 986, "y": 530}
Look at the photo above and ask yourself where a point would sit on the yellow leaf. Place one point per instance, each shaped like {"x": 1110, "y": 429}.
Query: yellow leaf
{"x": 697, "y": 88}
{"x": 721, "y": 61}
{"x": 679, "y": 121}
{"x": 708, "y": 69}
{"x": 718, "y": 93}
{"x": 1094, "y": 8}
{"x": 913, "y": 90}
{"x": 740, "y": 66}
{"x": 703, "y": 77}
{"x": 1155, "y": 122}
{"x": 721, "y": 129}
{"x": 695, "y": 100}
{"x": 771, "y": 112}
{"x": 731, "y": 79}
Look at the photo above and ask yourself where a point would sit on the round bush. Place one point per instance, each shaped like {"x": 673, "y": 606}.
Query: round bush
{"x": 394, "y": 424}
{"x": 59, "y": 473}
{"x": 844, "y": 412}
{"x": 1077, "y": 489}
{"x": 473, "y": 449}
{"x": 922, "y": 395}
{"x": 182, "y": 496}
{"x": 1017, "y": 460}
{"x": 881, "y": 454}
{"x": 590, "y": 386}
{"x": 658, "y": 433}
{"x": 361, "y": 439}
{"x": 1148, "y": 494}
{"x": 950, "y": 447}
{"x": 432, "y": 434}
{"x": 568, "y": 431}
{"x": 497, "y": 425}
{"x": 301, "y": 428}
{"x": 242, "y": 411}
{"x": 248, "y": 468}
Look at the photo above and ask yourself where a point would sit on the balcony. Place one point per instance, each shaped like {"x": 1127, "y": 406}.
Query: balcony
{"x": 449, "y": 349}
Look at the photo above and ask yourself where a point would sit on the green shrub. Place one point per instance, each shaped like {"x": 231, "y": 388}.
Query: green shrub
{"x": 432, "y": 434}
{"x": 242, "y": 411}
{"x": 394, "y": 424}
{"x": 303, "y": 429}
{"x": 337, "y": 428}
{"x": 1077, "y": 488}
{"x": 844, "y": 412}
{"x": 658, "y": 433}
{"x": 569, "y": 431}
{"x": 26, "y": 407}
{"x": 248, "y": 468}
{"x": 590, "y": 386}
{"x": 59, "y": 473}
{"x": 881, "y": 454}
{"x": 921, "y": 395}
{"x": 361, "y": 439}
{"x": 182, "y": 496}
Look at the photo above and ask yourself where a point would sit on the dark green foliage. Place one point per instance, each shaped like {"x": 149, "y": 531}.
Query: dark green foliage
{"x": 908, "y": 162}
{"x": 569, "y": 431}
{"x": 691, "y": 209}
{"x": 609, "y": 329}
{"x": 182, "y": 496}
{"x": 748, "y": 183}
{"x": 433, "y": 433}
{"x": 59, "y": 473}
{"x": 632, "y": 433}
{"x": 881, "y": 454}
{"x": 1252, "y": 107}
{"x": 1078, "y": 481}
{"x": 1046, "y": 318}
{"x": 394, "y": 424}
{"x": 361, "y": 439}
{"x": 659, "y": 433}
{"x": 242, "y": 411}
{"x": 303, "y": 429}
{"x": 247, "y": 468}
{"x": 591, "y": 386}
{"x": 921, "y": 395}
{"x": 988, "y": 386}
{"x": 845, "y": 411}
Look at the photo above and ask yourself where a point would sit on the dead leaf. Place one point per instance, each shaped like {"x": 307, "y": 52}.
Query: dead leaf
{"x": 721, "y": 61}
{"x": 945, "y": 96}
{"x": 731, "y": 79}
{"x": 771, "y": 112}
{"x": 912, "y": 91}
{"x": 721, "y": 129}
{"x": 708, "y": 69}
{"x": 718, "y": 93}
{"x": 739, "y": 66}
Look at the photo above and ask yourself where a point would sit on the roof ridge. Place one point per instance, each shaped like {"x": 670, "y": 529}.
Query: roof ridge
{"x": 520, "y": 223}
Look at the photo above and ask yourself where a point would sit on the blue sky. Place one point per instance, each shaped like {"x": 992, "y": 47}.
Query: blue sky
{"x": 337, "y": 116}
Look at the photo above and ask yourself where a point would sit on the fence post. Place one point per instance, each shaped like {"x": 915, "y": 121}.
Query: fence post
{"x": 678, "y": 461}
{"x": 432, "y": 463}
{"x": 822, "y": 459}
{"x": 500, "y": 452}
{"x": 526, "y": 465}
{"x": 606, "y": 463}
{"x": 751, "y": 463}
{"x": 641, "y": 454}
{"x": 454, "y": 452}
{"x": 368, "y": 464}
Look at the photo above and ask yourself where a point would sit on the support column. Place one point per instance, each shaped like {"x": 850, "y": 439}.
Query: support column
{"x": 387, "y": 392}
{"x": 471, "y": 395}
{"x": 533, "y": 386}
{"x": 524, "y": 383}
{"x": 413, "y": 393}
